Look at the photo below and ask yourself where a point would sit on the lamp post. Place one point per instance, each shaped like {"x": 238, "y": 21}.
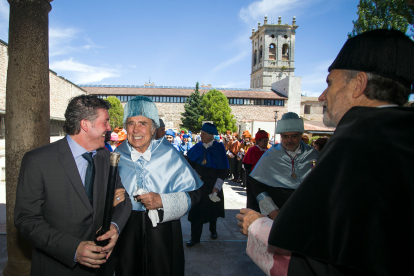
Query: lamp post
{"x": 274, "y": 137}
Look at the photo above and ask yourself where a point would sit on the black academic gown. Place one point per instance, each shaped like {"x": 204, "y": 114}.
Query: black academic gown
{"x": 355, "y": 210}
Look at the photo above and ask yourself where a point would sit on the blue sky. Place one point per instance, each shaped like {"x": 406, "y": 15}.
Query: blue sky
{"x": 177, "y": 43}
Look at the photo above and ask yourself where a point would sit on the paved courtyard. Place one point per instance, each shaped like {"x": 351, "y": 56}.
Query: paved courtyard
{"x": 225, "y": 256}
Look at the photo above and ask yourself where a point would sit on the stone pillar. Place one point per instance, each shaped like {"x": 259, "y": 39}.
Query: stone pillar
{"x": 27, "y": 109}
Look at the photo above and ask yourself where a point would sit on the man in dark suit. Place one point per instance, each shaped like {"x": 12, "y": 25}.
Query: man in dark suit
{"x": 61, "y": 195}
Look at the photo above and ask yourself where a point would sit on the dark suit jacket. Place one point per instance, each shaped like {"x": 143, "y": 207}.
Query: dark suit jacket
{"x": 53, "y": 211}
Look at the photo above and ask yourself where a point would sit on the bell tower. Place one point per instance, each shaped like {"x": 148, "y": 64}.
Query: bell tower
{"x": 273, "y": 53}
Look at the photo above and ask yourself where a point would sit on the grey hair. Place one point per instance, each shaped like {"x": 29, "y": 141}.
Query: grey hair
{"x": 381, "y": 88}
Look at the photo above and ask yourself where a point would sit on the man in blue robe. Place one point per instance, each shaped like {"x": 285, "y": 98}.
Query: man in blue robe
{"x": 283, "y": 167}
{"x": 170, "y": 136}
{"x": 162, "y": 187}
{"x": 185, "y": 145}
{"x": 209, "y": 160}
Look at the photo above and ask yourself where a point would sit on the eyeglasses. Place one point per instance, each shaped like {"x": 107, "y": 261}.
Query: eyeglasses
{"x": 294, "y": 136}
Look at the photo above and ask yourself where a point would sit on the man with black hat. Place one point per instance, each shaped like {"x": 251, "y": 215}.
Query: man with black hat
{"x": 283, "y": 167}
{"x": 208, "y": 158}
{"x": 353, "y": 214}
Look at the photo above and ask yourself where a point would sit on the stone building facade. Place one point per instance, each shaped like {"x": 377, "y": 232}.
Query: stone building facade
{"x": 273, "y": 53}
{"x": 247, "y": 105}
{"x": 61, "y": 91}
{"x": 311, "y": 109}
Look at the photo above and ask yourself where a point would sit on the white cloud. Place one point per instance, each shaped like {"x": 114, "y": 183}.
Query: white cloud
{"x": 60, "y": 40}
{"x": 230, "y": 61}
{"x": 256, "y": 11}
{"x": 82, "y": 73}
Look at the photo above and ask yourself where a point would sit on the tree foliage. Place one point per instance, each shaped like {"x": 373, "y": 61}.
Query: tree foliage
{"x": 192, "y": 111}
{"x": 216, "y": 109}
{"x": 383, "y": 14}
{"x": 116, "y": 112}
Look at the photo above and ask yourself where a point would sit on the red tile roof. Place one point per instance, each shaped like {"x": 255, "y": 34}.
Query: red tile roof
{"x": 155, "y": 91}
{"x": 317, "y": 126}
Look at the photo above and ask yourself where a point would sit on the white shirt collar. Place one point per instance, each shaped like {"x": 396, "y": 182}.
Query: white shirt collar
{"x": 208, "y": 144}
{"x": 261, "y": 148}
{"x": 135, "y": 155}
{"x": 293, "y": 154}
{"x": 387, "y": 105}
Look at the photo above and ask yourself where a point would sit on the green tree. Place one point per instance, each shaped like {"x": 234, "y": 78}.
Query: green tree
{"x": 116, "y": 112}
{"x": 383, "y": 14}
{"x": 216, "y": 108}
{"x": 192, "y": 111}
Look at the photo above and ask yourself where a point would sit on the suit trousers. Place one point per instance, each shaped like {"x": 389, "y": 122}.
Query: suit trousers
{"x": 197, "y": 229}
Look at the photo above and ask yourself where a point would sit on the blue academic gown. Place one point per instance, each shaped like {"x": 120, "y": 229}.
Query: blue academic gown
{"x": 215, "y": 166}
{"x": 141, "y": 248}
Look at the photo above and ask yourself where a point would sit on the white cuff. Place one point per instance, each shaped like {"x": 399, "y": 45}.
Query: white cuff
{"x": 219, "y": 184}
{"x": 175, "y": 205}
{"x": 153, "y": 215}
{"x": 266, "y": 203}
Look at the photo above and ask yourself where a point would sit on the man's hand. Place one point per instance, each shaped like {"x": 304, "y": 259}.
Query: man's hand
{"x": 246, "y": 218}
{"x": 119, "y": 193}
{"x": 215, "y": 190}
{"x": 151, "y": 201}
{"x": 112, "y": 235}
{"x": 89, "y": 254}
{"x": 273, "y": 214}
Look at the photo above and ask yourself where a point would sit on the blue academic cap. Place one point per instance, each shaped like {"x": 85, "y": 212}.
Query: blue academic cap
{"x": 141, "y": 106}
{"x": 170, "y": 132}
{"x": 210, "y": 128}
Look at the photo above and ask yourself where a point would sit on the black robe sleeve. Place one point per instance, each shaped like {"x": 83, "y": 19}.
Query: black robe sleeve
{"x": 195, "y": 196}
{"x": 248, "y": 167}
{"x": 258, "y": 187}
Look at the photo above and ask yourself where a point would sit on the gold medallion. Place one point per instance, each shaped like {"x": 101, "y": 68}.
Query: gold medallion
{"x": 204, "y": 162}
{"x": 293, "y": 175}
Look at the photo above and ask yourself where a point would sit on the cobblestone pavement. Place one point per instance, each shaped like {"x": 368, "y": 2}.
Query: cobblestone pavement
{"x": 225, "y": 256}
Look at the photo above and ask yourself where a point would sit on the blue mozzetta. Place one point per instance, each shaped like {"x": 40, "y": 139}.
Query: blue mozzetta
{"x": 215, "y": 155}
{"x": 176, "y": 176}
{"x": 278, "y": 175}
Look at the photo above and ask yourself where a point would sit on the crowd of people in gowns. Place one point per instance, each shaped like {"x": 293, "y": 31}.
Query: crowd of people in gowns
{"x": 320, "y": 207}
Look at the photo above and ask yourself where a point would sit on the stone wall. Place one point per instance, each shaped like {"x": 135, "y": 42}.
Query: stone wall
{"x": 291, "y": 87}
{"x": 3, "y": 74}
{"x": 315, "y": 108}
{"x": 171, "y": 113}
{"x": 61, "y": 91}
{"x": 257, "y": 112}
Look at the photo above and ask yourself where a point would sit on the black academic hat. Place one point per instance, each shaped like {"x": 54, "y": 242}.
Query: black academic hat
{"x": 387, "y": 53}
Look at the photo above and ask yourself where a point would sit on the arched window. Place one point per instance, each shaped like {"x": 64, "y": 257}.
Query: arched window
{"x": 285, "y": 52}
{"x": 272, "y": 52}
{"x": 255, "y": 57}
{"x": 260, "y": 53}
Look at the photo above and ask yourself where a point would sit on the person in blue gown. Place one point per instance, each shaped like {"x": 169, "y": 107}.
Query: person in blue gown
{"x": 185, "y": 145}
{"x": 162, "y": 187}
{"x": 209, "y": 160}
{"x": 170, "y": 136}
